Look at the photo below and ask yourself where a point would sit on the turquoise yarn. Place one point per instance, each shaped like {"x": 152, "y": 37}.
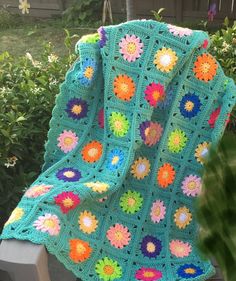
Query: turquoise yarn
{"x": 128, "y": 138}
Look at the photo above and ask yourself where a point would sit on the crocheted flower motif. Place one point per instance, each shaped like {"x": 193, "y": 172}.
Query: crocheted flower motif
{"x": 108, "y": 269}
{"x": 150, "y": 132}
{"x": 79, "y": 250}
{"x": 190, "y": 105}
{"x": 205, "y": 44}
{"x": 151, "y": 246}
{"x": 87, "y": 222}
{"x": 67, "y": 141}
{"x": 97, "y": 186}
{"x": 48, "y": 223}
{"x": 154, "y": 93}
{"x": 191, "y": 185}
{"x": 77, "y": 108}
{"x": 115, "y": 159}
{"x": 179, "y": 31}
{"x": 140, "y": 168}
{"x": 182, "y": 217}
{"x": 131, "y": 202}
{"x": 165, "y": 175}
{"x": 165, "y": 59}
{"x": 131, "y": 47}
{"x": 119, "y": 124}
{"x": 201, "y": 152}
{"x": 189, "y": 271}
{"x": 102, "y": 36}
{"x": 37, "y": 190}
{"x": 124, "y": 87}
{"x": 205, "y": 67}
{"x": 88, "y": 70}
{"x": 158, "y": 211}
{"x": 69, "y": 174}
{"x": 177, "y": 141}
{"x": 148, "y": 274}
{"x": 16, "y": 215}
{"x": 213, "y": 117}
{"x": 92, "y": 151}
{"x": 180, "y": 249}
{"x": 118, "y": 235}
{"x": 67, "y": 201}
{"x": 101, "y": 118}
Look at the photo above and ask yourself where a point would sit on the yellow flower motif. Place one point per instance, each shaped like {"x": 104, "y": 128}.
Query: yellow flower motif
{"x": 165, "y": 59}
{"x": 24, "y": 6}
{"x": 87, "y": 222}
{"x": 201, "y": 152}
{"x": 97, "y": 186}
{"x": 16, "y": 215}
{"x": 182, "y": 217}
{"x": 140, "y": 168}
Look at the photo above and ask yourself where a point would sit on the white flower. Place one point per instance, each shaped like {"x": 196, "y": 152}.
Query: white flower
{"x": 52, "y": 58}
{"x": 24, "y": 6}
{"x": 11, "y": 161}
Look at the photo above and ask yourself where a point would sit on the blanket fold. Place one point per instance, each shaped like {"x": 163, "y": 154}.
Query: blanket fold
{"x": 129, "y": 135}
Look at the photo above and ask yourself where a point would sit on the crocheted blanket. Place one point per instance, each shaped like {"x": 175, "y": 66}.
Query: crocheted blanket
{"x": 129, "y": 135}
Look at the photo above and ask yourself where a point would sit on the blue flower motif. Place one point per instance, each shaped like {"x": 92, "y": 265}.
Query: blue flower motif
{"x": 189, "y": 271}
{"x": 115, "y": 159}
{"x": 190, "y": 105}
{"x": 88, "y": 71}
{"x": 68, "y": 174}
{"x": 151, "y": 246}
{"x": 77, "y": 108}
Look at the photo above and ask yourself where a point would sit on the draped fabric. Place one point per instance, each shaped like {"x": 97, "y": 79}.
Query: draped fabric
{"x": 128, "y": 138}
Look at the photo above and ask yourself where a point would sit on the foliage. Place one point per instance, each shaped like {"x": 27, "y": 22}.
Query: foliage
{"x": 84, "y": 12}
{"x": 223, "y": 47}
{"x": 8, "y": 20}
{"x": 27, "y": 93}
{"x": 158, "y": 14}
{"x": 217, "y": 207}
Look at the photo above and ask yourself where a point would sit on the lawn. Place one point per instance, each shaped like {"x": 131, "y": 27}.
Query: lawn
{"x": 31, "y": 36}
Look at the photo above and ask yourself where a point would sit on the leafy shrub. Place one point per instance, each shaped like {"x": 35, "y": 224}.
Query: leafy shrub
{"x": 87, "y": 12}
{"x": 8, "y": 20}
{"x": 27, "y": 93}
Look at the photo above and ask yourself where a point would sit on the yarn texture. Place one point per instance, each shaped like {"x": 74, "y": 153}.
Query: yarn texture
{"x": 128, "y": 138}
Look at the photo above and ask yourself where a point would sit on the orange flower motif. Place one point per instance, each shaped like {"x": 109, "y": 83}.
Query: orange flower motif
{"x": 124, "y": 87}
{"x": 205, "y": 67}
{"x": 165, "y": 175}
{"x": 92, "y": 151}
{"x": 79, "y": 250}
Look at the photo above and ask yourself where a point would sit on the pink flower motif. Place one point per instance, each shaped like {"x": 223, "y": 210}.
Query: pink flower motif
{"x": 67, "y": 141}
{"x": 48, "y": 223}
{"x": 154, "y": 93}
{"x": 180, "y": 249}
{"x": 67, "y": 201}
{"x": 158, "y": 211}
{"x": 205, "y": 44}
{"x": 118, "y": 235}
{"x": 131, "y": 47}
{"x": 214, "y": 116}
{"x": 191, "y": 185}
{"x": 148, "y": 274}
{"x": 179, "y": 31}
{"x": 101, "y": 118}
{"x": 37, "y": 190}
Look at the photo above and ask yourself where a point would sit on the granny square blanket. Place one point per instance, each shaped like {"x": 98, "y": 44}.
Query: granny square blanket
{"x": 128, "y": 138}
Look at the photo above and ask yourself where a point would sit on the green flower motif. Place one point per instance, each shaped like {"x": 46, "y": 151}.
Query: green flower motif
{"x": 131, "y": 202}
{"x": 108, "y": 269}
{"x": 90, "y": 38}
{"x": 119, "y": 124}
{"x": 177, "y": 140}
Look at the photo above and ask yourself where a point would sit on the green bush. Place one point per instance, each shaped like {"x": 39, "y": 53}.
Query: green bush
{"x": 27, "y": 93}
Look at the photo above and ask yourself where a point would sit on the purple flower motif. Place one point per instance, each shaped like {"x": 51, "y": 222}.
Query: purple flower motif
{"x": 68, "y": 174}
{"x": 151, "y": 246}
{"x": 77, "y": 108}
{"x": 102, "y": 35}
{"x": 212, "y": 12}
